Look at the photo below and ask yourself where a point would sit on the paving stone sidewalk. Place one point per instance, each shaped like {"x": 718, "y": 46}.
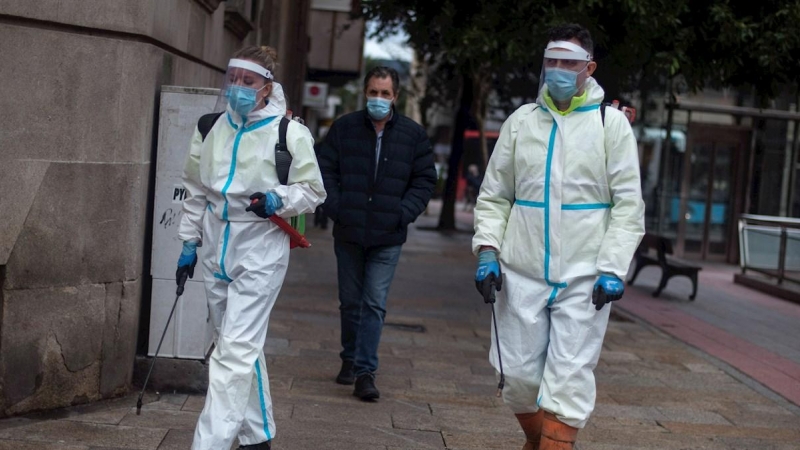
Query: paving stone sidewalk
{"x": 437, "y": 386}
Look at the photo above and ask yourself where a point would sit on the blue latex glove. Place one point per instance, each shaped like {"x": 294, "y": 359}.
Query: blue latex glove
{"x": 265, "y": 204}
{"x": 607, "y": 288}
{"x": 488, "y": 275}
{"x": 186, "y": 263}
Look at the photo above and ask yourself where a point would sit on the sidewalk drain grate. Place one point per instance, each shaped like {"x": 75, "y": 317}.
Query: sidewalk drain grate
{"x": 414, "y": 328}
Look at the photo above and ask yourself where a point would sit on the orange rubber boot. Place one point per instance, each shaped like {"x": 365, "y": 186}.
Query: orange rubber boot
{"x": 531, "y": 424}
{"x": 556, "y": 435}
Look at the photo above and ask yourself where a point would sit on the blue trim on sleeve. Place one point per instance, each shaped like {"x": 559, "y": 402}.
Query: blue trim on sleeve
{"x": 579, "y": 206}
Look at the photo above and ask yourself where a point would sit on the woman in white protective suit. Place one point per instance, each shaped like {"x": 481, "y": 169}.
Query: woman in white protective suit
{"x": 232, "y": 188}
{"x": 561, "y": 211}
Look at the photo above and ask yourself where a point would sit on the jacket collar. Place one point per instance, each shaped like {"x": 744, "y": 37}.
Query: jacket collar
{"x": 390, "y": 123}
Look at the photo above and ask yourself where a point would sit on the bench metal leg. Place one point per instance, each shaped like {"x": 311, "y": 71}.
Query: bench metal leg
{"x": 694, "y": 286}
{"x": 639, "y": 267}
{"x": 662, "y": 284}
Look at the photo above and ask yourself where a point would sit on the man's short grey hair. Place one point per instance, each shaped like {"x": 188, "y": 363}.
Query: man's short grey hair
{"x": 383, "y": 72}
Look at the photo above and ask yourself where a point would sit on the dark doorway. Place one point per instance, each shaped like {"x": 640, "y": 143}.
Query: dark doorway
{"x": 712, "y": 191}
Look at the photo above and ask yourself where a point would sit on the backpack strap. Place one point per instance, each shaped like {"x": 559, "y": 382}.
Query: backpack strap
{"x": 628, "y": 111}
{"x": 206, "y": 123}
{"x": 603, "y": 113}
{"x": 283, "y": 159}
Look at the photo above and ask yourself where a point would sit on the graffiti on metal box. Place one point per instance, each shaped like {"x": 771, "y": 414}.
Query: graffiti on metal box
{"x": 169, "y": 218}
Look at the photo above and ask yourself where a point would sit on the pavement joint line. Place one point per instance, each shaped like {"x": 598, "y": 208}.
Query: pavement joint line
{"x": 411, "y": 405}
{"x": 405, "y": 438}
{"x": 163, "y": 438}
{"x": 738, "y": 375}
{"x": 444, "y": 442}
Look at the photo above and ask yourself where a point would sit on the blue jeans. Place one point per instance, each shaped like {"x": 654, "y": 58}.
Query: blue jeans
{"x": 365, "y": 275}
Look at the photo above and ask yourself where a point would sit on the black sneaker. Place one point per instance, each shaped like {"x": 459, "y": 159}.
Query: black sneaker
{"x": 261, "y": 446}
{"x": 365, "y": 388}
{"x": 346, "y": 375}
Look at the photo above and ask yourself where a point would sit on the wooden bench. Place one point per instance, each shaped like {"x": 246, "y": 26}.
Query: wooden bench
{"x": 670, "y": 266}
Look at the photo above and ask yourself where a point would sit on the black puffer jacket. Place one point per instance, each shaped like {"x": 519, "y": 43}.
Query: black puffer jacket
{"x": 372, "y": 210}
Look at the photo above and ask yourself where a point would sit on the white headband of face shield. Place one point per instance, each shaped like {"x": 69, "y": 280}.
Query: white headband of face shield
{"x": 574, "y": 52}
{"x": 251, "y": 66}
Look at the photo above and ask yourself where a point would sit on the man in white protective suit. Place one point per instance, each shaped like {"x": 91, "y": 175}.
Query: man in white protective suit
{"x": 561, "y": 211}
{"x": 232, "y": 182}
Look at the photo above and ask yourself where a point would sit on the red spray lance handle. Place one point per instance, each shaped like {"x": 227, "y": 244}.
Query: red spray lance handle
{"x": 629, "y": 111}
{"x": 297, "y": 239}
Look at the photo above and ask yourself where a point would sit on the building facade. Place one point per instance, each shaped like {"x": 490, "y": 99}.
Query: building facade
{"x": 80, "y": 95}
{"x": 724, "y": 157}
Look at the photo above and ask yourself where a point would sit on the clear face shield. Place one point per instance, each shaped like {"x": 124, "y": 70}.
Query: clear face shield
{"x": 245, "y": 88}
{"x": 563, "y": 70}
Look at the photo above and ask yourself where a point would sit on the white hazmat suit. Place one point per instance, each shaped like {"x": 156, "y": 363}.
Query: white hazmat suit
{"x": 246, "y": 260}
{"x": 561, "y": 200}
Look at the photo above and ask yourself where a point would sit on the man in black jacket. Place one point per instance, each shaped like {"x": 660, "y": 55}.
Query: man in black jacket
{"x": 378, "y": 170}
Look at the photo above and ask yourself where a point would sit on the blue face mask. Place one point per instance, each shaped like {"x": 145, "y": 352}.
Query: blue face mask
{"x": 561, "y": 84}
{"x": 378, "y": 108}
{"x": 242, "y": 99}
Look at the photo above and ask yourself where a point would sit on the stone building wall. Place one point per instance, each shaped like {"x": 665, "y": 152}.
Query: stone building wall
{"x": 79, "y": 87}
